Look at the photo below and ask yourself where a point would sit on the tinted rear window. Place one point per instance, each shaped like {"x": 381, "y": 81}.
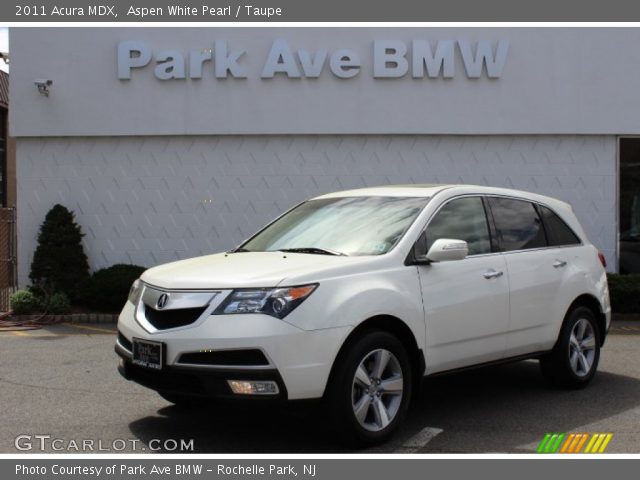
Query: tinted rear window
{"x": 558, "y": 232}
{"x": 518, "y": 224}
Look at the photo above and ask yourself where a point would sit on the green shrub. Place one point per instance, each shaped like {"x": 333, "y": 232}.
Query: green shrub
{"x": 58, "y": 304}
{"x": 25, "y": 302}
{"x": 59, "y": 262}
{"x": 624, "y": 292}
{"x": 37, "y": 291}
{"x": 32, "y": 300}
{"x": 107, "y": 290}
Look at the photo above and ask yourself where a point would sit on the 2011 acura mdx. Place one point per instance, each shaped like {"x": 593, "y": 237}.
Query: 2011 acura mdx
{"x": 354, "y": 296}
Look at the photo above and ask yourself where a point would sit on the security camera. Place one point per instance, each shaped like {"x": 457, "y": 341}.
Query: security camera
{"x": 43, "y": 86}
{"x": 4, "y": 56}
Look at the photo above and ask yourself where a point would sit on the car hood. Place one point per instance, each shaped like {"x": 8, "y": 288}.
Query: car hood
{"x": 248, "y": 269}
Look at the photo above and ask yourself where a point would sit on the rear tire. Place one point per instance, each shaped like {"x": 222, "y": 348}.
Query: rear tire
{"x": 371, "y": 388}
{"x": 574, "y": 359}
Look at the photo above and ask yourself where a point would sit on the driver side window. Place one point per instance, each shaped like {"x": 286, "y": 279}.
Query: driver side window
{"x": 461, "y": 219}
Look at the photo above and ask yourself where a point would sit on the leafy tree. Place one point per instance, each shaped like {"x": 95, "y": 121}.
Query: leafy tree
{"x": 59, "y": 262}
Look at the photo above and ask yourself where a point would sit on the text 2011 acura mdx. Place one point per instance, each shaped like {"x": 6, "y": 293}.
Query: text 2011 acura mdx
{"x": 355, "y": 296}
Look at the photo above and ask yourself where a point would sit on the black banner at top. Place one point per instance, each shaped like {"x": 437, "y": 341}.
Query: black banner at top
{"x": 319, "y": 11}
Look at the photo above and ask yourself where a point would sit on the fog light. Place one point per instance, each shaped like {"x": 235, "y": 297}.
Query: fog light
{"x": 120, "y": 362}
{"x": 253, "y": 387}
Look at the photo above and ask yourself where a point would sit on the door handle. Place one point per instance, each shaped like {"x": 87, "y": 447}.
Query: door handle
{"x": 492, "y": 274}
{"x": 559, "y": 264}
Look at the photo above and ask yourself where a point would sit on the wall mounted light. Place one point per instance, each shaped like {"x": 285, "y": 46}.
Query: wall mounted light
{"x": 43, "y": 86}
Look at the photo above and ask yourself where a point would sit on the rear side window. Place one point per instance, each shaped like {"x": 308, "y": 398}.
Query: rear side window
{"x": 558, "y": 232}
{"x": 517, "y": 223}
{"x": 462, "y": 219}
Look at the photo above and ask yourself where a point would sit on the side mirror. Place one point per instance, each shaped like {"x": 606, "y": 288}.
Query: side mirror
{"x": 447, "y": 249}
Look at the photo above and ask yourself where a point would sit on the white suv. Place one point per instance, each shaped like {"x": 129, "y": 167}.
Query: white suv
{"x": 354, "y": 296}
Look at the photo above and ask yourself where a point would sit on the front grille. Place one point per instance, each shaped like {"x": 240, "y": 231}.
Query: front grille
{"x": 122, "y": 340}
{"x": 250, "y": 357}
{"x": 164, "y": 319}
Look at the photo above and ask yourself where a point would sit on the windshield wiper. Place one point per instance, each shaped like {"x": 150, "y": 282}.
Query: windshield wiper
{"x": 313, "y": 250}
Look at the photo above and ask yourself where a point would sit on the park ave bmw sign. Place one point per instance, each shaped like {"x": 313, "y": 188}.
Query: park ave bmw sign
{"x": 389, "y": 58}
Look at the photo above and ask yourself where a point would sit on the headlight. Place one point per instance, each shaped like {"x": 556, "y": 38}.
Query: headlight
{"x": 134, "y": 292}
{"x": 277, "y": 302}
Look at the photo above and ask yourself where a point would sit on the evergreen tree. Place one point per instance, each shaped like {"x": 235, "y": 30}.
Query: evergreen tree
{"x": 59, "y": 262}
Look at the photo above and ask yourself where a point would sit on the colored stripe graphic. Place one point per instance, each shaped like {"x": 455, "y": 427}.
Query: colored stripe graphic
{"x": 550, "y": 443}
{"x": 598, "y": 443}
{"x": 590, "y": 444}
{"x": 581, "y": 442}
{"x": 578, "y": 442}
{"x": 606, "y": 441}
{"x": 554, "y": 448}
{"x": 543, "y": 443}
{"x": 574, "y": 442}
{"x": 566, "y": 445}
{"x": 596, "y": 446}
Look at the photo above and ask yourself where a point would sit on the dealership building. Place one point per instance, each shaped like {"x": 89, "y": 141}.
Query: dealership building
{"x": 170, "y": 143}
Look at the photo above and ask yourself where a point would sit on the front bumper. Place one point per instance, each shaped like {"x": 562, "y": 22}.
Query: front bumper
{"x": 199, "y": 382}
{"x": 298, "y": 361}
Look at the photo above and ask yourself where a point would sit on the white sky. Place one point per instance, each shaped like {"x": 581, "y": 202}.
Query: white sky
{"x": 4, "y": 46}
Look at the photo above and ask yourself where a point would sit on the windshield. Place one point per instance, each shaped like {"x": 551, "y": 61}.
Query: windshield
{"x": 347, "y": 226}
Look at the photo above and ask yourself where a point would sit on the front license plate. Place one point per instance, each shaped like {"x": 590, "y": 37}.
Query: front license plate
{"x": 147, "y": 354}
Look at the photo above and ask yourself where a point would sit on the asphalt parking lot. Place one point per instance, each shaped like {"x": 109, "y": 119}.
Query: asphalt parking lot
{"x": 61, "y": 382}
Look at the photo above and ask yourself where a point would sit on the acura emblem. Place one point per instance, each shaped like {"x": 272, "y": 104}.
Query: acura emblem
{"x": 162, "y": 301}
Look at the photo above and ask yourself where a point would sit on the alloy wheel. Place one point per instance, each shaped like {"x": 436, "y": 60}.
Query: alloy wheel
{"x": 582, "y": 347}
{"x": 377, "y": 390}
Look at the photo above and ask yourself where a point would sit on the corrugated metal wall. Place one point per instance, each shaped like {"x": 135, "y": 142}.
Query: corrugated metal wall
{"x": 149, "y": 200}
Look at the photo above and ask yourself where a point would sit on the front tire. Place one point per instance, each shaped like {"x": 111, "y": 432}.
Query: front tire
{"x": 574, "y": 359}
{"x": 371, "y": 388}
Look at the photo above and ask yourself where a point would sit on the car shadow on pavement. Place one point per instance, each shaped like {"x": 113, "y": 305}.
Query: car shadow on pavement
{"x": 248, "y": 427}
{"x": 497, "y": 409}
{"x": 509, "y": 408}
